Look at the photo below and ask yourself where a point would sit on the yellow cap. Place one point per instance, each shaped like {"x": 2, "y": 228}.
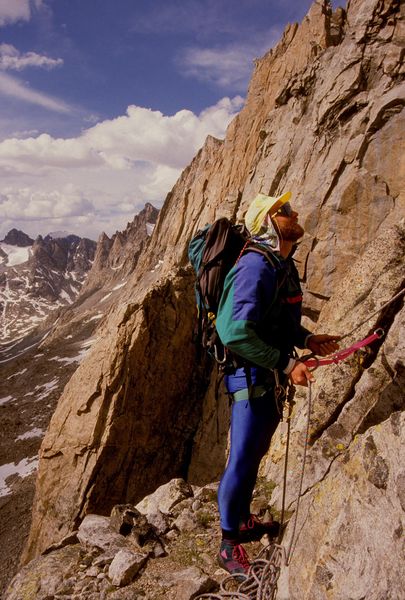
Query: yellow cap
{"x": 259, "y": 208}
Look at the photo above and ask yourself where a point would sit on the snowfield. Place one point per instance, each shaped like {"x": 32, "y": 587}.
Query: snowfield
{"x": 15, "y": 255}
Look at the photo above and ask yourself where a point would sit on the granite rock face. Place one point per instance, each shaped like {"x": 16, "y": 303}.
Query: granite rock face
{"x": 351, "y": 513}
{"x": 324, "y": 117}
{"x": 351, "y": 542}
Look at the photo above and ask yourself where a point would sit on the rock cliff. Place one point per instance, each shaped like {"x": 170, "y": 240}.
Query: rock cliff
{"x": 324, "y": 117}
{"x": 36, "y": 368}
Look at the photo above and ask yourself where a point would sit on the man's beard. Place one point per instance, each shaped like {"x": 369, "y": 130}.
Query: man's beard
{"x": 290, "y": 232}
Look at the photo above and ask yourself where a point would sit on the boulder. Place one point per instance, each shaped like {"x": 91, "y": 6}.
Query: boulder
{"x": 125, "y": 566}
{"x": 165, "y": 498}
{"x": 43, "y": 577}
{"x": 96, "y": 531}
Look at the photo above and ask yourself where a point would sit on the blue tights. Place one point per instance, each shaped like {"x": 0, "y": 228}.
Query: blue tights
{"x": 252, "y": 426}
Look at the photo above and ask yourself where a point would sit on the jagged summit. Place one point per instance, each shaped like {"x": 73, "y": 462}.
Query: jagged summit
{"x": 117, "y": 256}
{"x": 16, "y": 237}
{"x": 58, "y": 234}
{"x": 53, "y": 270}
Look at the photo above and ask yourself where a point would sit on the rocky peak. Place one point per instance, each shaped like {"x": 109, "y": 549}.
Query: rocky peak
{"x": 117, "y": 256}
{"x": 54, "y": 252}
{"x": 59, "y": 253}
{"x": 16, "y": 237}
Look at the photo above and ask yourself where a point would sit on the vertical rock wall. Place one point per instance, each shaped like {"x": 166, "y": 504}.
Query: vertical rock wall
{"x": 324, "y": 118}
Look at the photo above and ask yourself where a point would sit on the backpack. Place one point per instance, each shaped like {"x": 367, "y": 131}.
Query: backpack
{"x": 213, "y": 251}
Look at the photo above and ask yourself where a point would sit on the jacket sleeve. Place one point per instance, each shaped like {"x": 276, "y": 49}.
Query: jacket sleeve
{"x": 249, "y": 289}
{"x": 301, "y": 337}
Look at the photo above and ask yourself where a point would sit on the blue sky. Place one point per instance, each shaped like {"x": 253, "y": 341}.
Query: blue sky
{"x": 104, "y": 102}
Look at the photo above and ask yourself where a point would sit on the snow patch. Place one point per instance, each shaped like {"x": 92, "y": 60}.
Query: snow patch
{"x": 16, "y": 374}
{"x": 46, "y": 388}
{"x": 105, "y": 297}
{"x": 149, "y": 228}
{"x": 95, "y": 318}
{"x": 120, "y": 285}
{"x": 65, "y": 296}
{"x": 157, "y": 266}
{"x": 33, "y": 433}
{"x": 25, "y": 467}
{"x": 15, "y": 254}
{"x": 69, "y": 360}
{"x": 6, "y": 399}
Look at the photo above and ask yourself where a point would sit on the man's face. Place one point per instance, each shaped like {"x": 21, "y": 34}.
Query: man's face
{"x": 288, "y": 225}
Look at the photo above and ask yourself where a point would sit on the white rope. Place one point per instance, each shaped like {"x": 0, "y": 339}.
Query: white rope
{"x": 261, "y": 580}
{"x": 304, "y": 458}
{"x": 260, "y": 583}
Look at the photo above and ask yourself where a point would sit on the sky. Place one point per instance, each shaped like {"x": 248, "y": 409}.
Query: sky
{"x": 103, "y": 103}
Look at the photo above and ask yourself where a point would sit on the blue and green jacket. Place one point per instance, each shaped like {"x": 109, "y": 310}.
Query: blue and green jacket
{"x": 259, "y": 316}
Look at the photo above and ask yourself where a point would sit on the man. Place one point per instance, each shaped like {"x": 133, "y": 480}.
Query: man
{"x": 259, "y": 321}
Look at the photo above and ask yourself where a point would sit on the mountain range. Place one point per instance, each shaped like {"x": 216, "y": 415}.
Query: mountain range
{"x": 65, "y": 284}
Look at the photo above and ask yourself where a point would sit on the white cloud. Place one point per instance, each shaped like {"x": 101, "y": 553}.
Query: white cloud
{"x": 100, "y": 179}
{"x": 142, "y": 135}
{"x": 12, "y": 59}
{"x": 25, "y": 204}
{"x": 12, "y": 11}
{"x": 162, "y": 178}
{"x": 224, "y": 67}
{"x": 227, "y": 66}
{"x": 14, "y": 88}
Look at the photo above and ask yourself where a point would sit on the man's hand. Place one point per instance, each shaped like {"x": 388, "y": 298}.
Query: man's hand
{"x": 323, "y": 344}
{"x": 300, "y": 375}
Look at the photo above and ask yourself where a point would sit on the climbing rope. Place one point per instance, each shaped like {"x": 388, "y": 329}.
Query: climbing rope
{"x": 313, "y": 362}
{"x": 304, "y": 458}
{"x": 260, "y": 583}
{"x": 263, "y": 574}
{"x": 398, "y": 295}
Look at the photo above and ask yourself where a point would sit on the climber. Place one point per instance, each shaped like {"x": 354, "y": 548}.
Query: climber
{"x": 259, "y": 321}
